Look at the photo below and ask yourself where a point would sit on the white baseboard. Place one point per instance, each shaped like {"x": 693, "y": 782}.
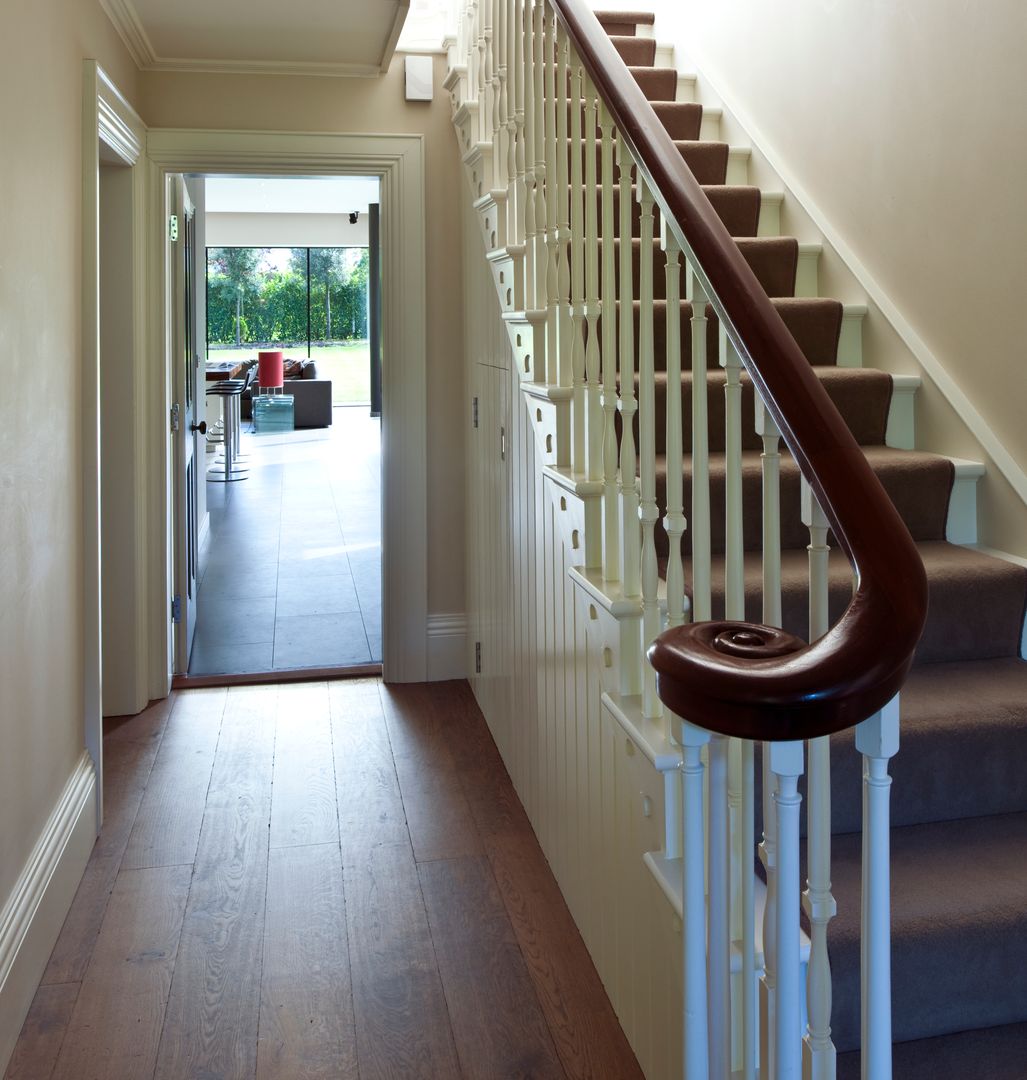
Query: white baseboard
{"x": 447, "y": 646}
{"x": 34, "y": 913}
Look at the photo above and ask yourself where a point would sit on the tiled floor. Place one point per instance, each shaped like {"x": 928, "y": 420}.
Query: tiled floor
{"x": 292, "y": 574}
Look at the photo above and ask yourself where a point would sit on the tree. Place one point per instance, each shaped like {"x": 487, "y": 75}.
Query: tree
{"x": 238, "y": 266}
{"x": 325, "y": 266}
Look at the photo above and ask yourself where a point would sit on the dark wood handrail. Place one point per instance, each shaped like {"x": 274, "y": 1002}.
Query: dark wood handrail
{"x": 737, "y": 678}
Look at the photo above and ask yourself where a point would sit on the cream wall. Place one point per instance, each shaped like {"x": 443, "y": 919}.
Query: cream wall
{"x": 320, "y": 104}
{"x": 41, "y": 639}
{"x": 903, "y": 124}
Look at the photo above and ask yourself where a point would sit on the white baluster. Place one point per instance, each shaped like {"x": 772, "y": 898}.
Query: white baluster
{"x": 526, "y": 161}
{"x": 649, "y": 512}
{"x": 674, "y": 520}
{"x": 819, "y": 903}
{"x": 485, "y": 71}
{"x": 771, "y": 462}
{"x": 514, "y": 123}
{"x": 877, "y": 739}
{"x": 577, "y": 272}
{"x": 630, "y": 555}
{"x": 611, "y": 505}
{"x": 786, "y": 765}
{"x": 551, "y": 188}
{"x": 702, "y": 603}
{"x": 498, "y": 98}
{"x": 718, "y": 973}
{"x": 539, "y": 301}
{"x": 593, "y": 361}
{"x": 695, "y": 1029}
{"x": 565, "y": 355}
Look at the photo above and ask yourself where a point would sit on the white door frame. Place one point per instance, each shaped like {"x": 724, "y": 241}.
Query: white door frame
{"x": 398, "y": 162}
{"x": 108, "y": 118}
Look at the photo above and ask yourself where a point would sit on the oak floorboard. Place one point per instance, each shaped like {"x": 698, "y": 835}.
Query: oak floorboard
{"x": 369, "y": 803}
{"x": 402, "y": 1024}
{"x": 425, "y": 731}
{"x": 42, "y": 1034}
{"x": 584, "y": 1027}
{"x": 498, "y": 1025}
{"x": 167, "y": 826}
{"x": 129, "y": 751}
{"x": 303, "y": 796}
{"x": 306, "y": 1002}
{"x": 116, "y": 1023}
{"x": 438, "y": 814}
{"x": 211, "y": 1025}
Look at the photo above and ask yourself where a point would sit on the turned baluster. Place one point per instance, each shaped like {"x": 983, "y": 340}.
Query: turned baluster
{"x": 611, "y": 506}
{"x": 649, "y": 512}
{"x": 786, "y": 764}
{"x": 695, "y": 1028}
{"x": 702, "y": 602}
{"x": 577, "y": 271}
{"x": 674, "y": 520}
{"x": 877, "y": 739}
{"x": 767, "y": 429}
{"x": 818, "y": 901}
{"x": 630, "y": 565}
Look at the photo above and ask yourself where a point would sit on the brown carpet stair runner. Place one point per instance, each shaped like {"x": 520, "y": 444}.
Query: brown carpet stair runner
{"x": 959, "y": 796}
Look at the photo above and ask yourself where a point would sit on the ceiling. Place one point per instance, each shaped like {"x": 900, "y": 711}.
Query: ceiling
{"x": 311, "y": 37}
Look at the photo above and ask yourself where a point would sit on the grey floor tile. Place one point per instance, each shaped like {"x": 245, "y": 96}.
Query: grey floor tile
{"x": 239, "y": 620}
{"x": 238, "y": 583}
{"x": 230, "y": 659}
{"x": 321, "y": 641}
{"x": 317, "y": 596}
{"x": 294, "y": 565}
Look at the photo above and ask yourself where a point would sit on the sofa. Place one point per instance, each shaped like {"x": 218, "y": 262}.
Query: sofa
{"x": 312, "y": 397}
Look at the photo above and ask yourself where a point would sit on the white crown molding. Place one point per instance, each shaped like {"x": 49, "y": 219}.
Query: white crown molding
{"x": 123, "y": 15}
{"x": 33, "y": 914}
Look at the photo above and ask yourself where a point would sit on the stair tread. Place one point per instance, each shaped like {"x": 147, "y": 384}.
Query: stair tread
{"x": 998, "y": 1053}
{"x": 976, "y": 607}
{"x": 952, "y": 713}
{"x": 959, "y": 929}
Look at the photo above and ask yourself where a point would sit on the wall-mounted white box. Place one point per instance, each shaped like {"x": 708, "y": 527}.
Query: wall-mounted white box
{"x": 419, "y": 78}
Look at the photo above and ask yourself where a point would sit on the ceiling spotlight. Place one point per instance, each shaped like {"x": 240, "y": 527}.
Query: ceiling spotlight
{"x": 353, "y": 218}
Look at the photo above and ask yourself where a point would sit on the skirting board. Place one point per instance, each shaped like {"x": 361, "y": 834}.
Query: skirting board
{"x": 34, "y": 913}
{"x": 447, "y": 645}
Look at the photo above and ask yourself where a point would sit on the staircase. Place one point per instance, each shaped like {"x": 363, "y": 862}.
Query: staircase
{"x": 959, "y": 788}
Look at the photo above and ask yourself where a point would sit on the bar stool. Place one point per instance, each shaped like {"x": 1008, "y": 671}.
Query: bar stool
{"x": 229, "y": 469}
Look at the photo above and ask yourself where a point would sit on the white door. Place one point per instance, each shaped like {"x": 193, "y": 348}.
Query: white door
{"x": 188, "y": 455}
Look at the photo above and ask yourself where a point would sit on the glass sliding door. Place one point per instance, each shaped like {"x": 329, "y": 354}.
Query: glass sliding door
{"x": 310, "y": 302}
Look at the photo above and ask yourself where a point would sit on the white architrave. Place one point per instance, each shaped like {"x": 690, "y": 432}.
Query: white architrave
{"x": 398, "y": 160}
{"x": 109, "y": 119}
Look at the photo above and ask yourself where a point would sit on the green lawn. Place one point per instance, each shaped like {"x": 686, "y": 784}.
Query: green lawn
{"x": 348, "y": 366}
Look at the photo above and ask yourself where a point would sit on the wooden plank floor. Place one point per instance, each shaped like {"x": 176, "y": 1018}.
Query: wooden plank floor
{"x": 321, "y": 880}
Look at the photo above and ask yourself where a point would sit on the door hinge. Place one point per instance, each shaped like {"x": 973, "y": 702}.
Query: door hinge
{"x": 176, "y": 609}
{"x": 175, "y": 417}
{"x": 173, "y": 227}
{"x": 474, "y": 412}
{"x": 477, "y": 658}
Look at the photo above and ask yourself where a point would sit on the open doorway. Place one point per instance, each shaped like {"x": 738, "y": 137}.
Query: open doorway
{"x": 288, "y": 514}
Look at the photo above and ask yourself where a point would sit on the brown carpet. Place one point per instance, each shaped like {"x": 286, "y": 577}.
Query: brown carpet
{"x": 959, "y": 796}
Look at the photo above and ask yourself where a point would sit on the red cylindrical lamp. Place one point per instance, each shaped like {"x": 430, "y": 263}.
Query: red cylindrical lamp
{"x": 271, "y": 369}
